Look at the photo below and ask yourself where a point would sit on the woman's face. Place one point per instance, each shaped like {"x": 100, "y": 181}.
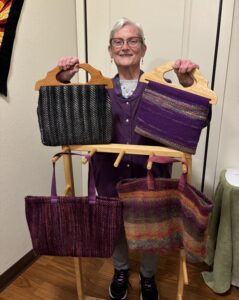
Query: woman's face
{"x": 129, "y": 53}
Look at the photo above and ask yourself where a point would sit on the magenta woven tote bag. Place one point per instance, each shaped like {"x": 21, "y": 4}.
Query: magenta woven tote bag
{"x": 74, "y": 226}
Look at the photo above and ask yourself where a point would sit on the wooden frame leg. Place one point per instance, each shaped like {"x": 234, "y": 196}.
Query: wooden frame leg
{"x": 79, "y": 279}
{"x": 183, "y": 275}
{"x": 70, "y": 191}
{"x": 79, "y": 282}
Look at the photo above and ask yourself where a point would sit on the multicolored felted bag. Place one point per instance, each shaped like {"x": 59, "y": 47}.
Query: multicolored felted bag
{"x": 163, "y": 215}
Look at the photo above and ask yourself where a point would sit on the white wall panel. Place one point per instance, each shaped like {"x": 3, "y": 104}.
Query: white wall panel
{"x": 198, "y": 44}
{"x": 225, "y": 49}
{"x": 228, "y": 156}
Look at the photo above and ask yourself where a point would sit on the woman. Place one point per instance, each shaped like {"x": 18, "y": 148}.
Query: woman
{"x": 126, "y": 48}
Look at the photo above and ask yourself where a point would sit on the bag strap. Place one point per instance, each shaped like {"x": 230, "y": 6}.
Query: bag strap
{"x": 91, "y": 180}
{"x": 165, "y": 160}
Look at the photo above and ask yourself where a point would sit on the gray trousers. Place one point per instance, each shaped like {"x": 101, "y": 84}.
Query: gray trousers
{"x": 149, "y": 261}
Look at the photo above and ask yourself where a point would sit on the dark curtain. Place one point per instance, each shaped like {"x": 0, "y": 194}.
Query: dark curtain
{"x": 9, "y": 15}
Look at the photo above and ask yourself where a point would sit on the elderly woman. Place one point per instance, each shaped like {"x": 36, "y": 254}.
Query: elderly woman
{"x": 127, "y": 48}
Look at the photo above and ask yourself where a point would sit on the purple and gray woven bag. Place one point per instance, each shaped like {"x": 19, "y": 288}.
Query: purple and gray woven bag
{"x": 172, "y": 117}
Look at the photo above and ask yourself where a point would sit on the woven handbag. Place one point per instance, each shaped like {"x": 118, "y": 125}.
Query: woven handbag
{"x": 74, "y": 226}
{"x": 74, "y": 114}
{"x": 163, "y": 215}
{"x": 173, "y": 115}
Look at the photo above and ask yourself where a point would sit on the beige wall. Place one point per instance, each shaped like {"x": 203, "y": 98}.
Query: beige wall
{"x": 46, "y": 30}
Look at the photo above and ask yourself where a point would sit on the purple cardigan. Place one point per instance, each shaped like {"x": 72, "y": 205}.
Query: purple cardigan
{"x": 131, "y": 166}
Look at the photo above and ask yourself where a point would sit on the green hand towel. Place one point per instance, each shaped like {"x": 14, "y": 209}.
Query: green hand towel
{"x": 223, "y": 242}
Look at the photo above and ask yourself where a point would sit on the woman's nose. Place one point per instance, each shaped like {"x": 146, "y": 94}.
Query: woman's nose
{"x": 125, "y": 45}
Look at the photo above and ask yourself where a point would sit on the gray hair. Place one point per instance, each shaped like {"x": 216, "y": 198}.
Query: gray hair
{"x": 124, "y": 21}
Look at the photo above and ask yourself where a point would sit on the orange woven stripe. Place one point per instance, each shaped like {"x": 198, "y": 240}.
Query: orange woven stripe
{"x": 149, "y": 195}
{"x": 152, "y": 230}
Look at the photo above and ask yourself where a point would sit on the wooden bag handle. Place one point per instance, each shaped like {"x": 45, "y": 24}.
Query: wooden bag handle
{"x": 96, "y": 78}
{"x": 199, "y": 86}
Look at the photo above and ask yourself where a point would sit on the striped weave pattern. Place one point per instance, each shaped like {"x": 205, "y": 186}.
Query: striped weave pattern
{"x": 172, "y": 117}
{"x": 73, "y": 227}
{"x": 165, "y": 219}
{"x": 74, "y": 115}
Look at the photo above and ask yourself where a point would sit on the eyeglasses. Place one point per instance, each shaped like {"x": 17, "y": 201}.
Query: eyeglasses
{"x": 132, "y": 42}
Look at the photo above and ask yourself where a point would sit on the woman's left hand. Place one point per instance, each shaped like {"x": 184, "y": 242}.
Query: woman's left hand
{"x": 183, "y": 69}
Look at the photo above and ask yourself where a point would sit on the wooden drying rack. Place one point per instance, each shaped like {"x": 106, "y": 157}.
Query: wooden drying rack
{"x": 122, "y": 149}
{"x": 199, "y": 87}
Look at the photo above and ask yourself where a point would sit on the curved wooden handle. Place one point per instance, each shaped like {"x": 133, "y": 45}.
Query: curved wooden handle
{"x": 96, "y": 78}
{"x": 94, "y": 73}
{"x": 199, "y": 86}
{"x": 197, "y": 75}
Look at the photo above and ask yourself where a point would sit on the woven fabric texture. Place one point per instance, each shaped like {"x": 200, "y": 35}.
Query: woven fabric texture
{"x": 74, "y": 115}
{"x": 172, "y": 117}
{"x": 165, "y": 219}
{"x": 73, "y": 227}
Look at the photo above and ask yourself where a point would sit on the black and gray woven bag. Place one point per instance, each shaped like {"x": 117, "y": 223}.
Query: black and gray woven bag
{"x": 74, "y": 114}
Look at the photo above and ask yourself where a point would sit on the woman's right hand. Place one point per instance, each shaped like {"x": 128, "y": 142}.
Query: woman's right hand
{"x": 69, "y": 67}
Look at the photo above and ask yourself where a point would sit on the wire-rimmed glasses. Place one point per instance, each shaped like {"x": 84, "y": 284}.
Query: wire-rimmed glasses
{"x": 132, "y": 42}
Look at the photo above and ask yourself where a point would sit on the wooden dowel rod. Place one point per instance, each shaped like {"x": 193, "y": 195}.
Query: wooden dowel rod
{"x": 92, "y": 152}
{"x": 184, "y": 166}
{"x": 184, "y": 267}
{"x": 129, "y": 149}
{"x": 68, "y": 191}
{"x": 180, "y": 280}
{"x": 150, "y": 163}
{"x": 188, "y": 159}
{"x": 118, "y": 159}
{"x": 79, "y": 279}
{"x": 56, "y": 157}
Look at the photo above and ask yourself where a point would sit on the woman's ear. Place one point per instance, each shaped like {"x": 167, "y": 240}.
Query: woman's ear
{"x": 110, "y": 50}
{"x": 143, "y": 51}
{"x": 111, "y": 54}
